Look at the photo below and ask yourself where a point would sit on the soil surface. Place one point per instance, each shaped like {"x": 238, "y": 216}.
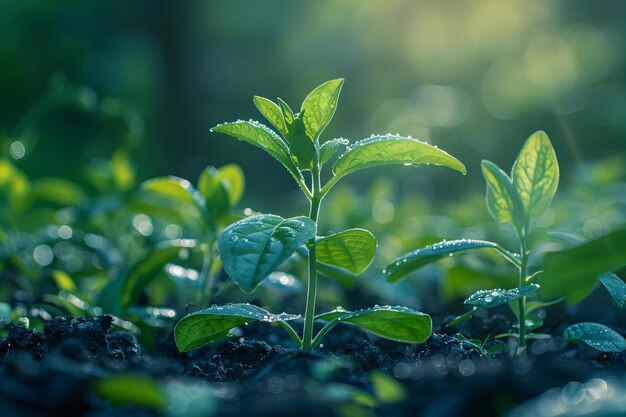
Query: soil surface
{"x": 259, "y": 373}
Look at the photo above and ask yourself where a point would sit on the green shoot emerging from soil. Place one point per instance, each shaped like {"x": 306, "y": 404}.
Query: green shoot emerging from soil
{"x": 252, "y": 248}
{"x": 518, "y": 200}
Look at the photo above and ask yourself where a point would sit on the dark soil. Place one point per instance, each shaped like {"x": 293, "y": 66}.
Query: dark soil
{"x": 52, "y": 373}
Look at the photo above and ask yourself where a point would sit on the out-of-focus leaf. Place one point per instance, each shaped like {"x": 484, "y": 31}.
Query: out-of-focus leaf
{"x": 130, "y": 389}
{"x": 596, "y": 335}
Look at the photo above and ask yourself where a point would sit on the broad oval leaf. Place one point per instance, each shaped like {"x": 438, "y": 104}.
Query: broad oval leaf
{"x": 352, "y": 249}
{"x": 616, "y": 288}
{"x": 503, "y": 203}
{"x": 271, "y": 112}
{"x": 535, "y": 174}
{"x": 389, "y": 150}
{"x": 233, "y": 175}
{"x": 142, "y": 272}
{"x": 201, "y": 327}
{"x": 176, "y": 188}
{"x": 573, "y": 273}
{"x": 596, "y": 335}
{"x": 419, "y": 258}
{"x": 396, "y": 323}
{"x": 260, "y": 136}
{"x": 253, "y": 247}
{"x": 496, "y": 297}
{"x": 319, "y": 107}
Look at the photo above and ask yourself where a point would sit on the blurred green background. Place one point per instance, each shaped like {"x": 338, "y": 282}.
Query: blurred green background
{"x": 474, "y": 77}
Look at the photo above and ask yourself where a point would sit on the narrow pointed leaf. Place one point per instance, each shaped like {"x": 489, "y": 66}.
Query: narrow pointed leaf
{"x": 352, "y": 249}
{"x": 201, "y": 327}
{"x": 396, "y": 323}
{"x": 319, "y": 107}
{"x": 260, "y": 136}
{"x": 252, "y": 248}
{"x": 596, "y": 335}
{"x": 496, "y": 297}
{"x": 390, "y": 150}
{"x": 535, "y": 174}
{"x": 287, "y": 112}
{"x": 573, "y": 273}
{"x": 503, "y": 202}
{"x": 272, "y": 113}
{"x": 616, "y": 288}
{"x": 419, "y": 258}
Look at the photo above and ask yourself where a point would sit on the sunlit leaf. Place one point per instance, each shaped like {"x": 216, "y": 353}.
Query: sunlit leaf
{"x": 535, "y": 174}
{"x": 272, "y": 113}
{"x": 386, "y": 388}
{"x": 253, "y": 247}
{"x": 54, "y": 190}
{"x": 596, "y": 335}
{"x": 616, "y": 288}
{"x": 396, "y": 323}
{"x": 233, "y": 175}
{"x": 206, "y": 325}
{"x": 175, "y": 188}
{"x": 419, "y": 258}
{"x": 303, "y": 151}
{"x": 389, "y": 150}
{"x": 496, "y": 297}
{"x": 260, "y": 136}
{"x": 63, "y": 281}
{"x": 503, "y": 202}
{"x": 352, "y": 249}
{"x": 287, "y": 112}
{"x": 122, "y": 170}
{"x": 319, "y": 107}
{"x": 573, "y": 273}
{"x": 329, "y": 148}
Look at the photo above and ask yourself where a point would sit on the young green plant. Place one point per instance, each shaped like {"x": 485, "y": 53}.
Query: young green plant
{"x": 252, "y": 248}
{"x": 519, "y": 200}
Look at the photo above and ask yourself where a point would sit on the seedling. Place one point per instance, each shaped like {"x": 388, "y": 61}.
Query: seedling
{"x": 252, "y": 248}
{"x": 518, "y": 200}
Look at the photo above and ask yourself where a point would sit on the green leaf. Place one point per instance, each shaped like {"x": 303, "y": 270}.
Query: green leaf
{"x": 396, "y": 323}
{"x": 352, "y": 249}
{"x": 214, "y": 191}
{"x": 503, "y": 202}
{"x": 201, "y": 327}
{"x": 616, "y": 288}
{"x": 272, "y": 113}
{"x": 130, "y": 389}
{"x": 56, "y": 190}
{"x": 596, "y": 335}
{"x": 303, "y": 152}
{"x": 319, "y": 107}
{"x": 175, "y": 188}
{"x": 260, "y": 136}
{"x": 535, "y": 174}
{"x": 573, "y": 273}
{"x": 419, "y": 258}
{"x": 462, "y": 318}
{"x": 389, "y": 150}
{"x": 233, "y": 175}
{"x": 386, "y": 388}
{"x": 253, "y": 247}
{"x": 496, "y": 297}
{"x": 287, "y": 112}
{"x": 329, "y": 148}
{"x": 142, "y": 272}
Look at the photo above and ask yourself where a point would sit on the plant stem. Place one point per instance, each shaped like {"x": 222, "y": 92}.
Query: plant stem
{"x": 523, "y": 272}
{"x": 309, "y": 314}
